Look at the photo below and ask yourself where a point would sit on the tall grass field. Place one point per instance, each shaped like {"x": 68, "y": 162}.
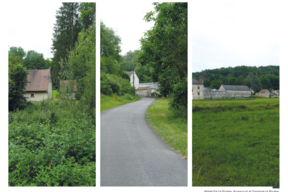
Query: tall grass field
{"x": 52, "y": 143}
{"x": 236, "y": 142}
{"x": 172, "y": 129}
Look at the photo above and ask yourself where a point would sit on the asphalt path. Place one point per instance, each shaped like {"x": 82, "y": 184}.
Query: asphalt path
{"x": 132, "y": 154}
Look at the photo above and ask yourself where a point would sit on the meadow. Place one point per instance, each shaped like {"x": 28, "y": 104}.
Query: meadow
{"x": 108, "y": 102}
{"x": 170, "y": 127}
{"x": 236, "y": 142}
{"x": 52, "y": 143}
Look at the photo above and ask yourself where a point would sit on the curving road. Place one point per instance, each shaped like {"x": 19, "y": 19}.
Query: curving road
{"x": 132, "y": 154}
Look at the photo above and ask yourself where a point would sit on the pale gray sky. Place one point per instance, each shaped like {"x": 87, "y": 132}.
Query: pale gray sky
{"x": 233, "y": 33}
{"x": 126, "y": 19}
{"x": 30, "y": 25}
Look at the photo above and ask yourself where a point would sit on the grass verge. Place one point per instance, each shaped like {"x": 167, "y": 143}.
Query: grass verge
{"x": 108, "y": 102}
{"x": 172, "y": 130}
{"x": 236, "y": 142}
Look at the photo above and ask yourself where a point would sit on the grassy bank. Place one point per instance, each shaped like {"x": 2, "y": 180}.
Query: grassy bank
{"x": 172, "y": 130}
{"x": 108, "y": 102}
{"x": 236, "y": 142}
{"x": 55, "y": 94}
{"x": 52, "y": 143}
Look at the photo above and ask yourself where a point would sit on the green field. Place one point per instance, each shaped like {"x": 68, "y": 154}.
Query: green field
{"x": 108, "y": 102}
{"x": 173, "y": 130}
{"x": 236, "y": 142}
{"x": 52, "y": 143}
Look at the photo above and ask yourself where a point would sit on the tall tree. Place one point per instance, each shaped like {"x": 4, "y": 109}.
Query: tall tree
{"x": 88, "y": 14}
{"x": 17, "y": 83}
{"x": 164, "y": 50}
{"x": 255, "y": 84}
{"x": 65, "y": 35}
{"x": 17, "y": 51}
{"x": 34, "y": 60}
{"x": 215, "y": 84}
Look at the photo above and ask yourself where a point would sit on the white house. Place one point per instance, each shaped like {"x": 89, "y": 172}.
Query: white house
{"x": 264, "y": 93}
{"x": 39, "y": 85}
{"x": 134, "y": 80}
{"x": 144, "y": 91}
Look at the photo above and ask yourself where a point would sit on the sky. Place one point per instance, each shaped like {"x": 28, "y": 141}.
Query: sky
{"x": 126, "y": 19}
{"x": 31, "y": 26}
{"x": 234, "y": 33}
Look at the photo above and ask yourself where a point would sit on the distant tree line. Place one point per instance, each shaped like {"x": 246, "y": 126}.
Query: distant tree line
{"x": 264, "y": 77}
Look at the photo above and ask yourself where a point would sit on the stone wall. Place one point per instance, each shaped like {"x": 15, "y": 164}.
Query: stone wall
{"x": 226, "y": 94}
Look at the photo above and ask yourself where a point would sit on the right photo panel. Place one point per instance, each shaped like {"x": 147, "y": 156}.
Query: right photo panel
{"x": 236, "y": 91}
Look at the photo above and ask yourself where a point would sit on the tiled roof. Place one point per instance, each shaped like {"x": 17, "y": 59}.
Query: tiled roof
{"x": 207, "y": 89}
{"x": 263, "y": 91}
{"x": 236, "y": 87}
{"x": 142, "y": 88}
{"x": 38, "y": 80}
{"x": 65, "y": 82}
{"x": 195, "y": 82}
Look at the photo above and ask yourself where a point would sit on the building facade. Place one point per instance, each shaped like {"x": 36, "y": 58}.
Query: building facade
{"x": 134, "y": 80}
{"x": 197, "y": 89}
{"x": 39, "y": 86}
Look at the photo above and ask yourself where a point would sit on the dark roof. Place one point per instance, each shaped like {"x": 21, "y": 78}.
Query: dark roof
{"x": 207, "y": 89}
{"x": 195, "y": 82}
{"x": 143, "y": 88}
{"x": 65, "y": 82}
{"x": 38, "y": 80}
{"x": 236, "y": 87}
{"x": 150, "y": 84}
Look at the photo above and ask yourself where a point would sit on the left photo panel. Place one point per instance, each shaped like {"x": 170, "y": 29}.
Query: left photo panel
{"x": 51, "y": 76}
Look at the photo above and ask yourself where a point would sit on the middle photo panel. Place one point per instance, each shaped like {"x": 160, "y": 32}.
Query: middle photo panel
{"x": 143, "y": 135}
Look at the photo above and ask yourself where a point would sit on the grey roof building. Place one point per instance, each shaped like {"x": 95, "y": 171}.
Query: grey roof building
{"x": 195, "y": 82}
{"x": 150, "y": 84}
{"x": 234, "y": 88}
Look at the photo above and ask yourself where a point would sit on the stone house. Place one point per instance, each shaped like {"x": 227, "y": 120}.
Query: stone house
{"x": 154, "y": 88}
{"x": 143, "y": 91}
{"x": 134, "y": 80}
{"x": 236, "y": 90}
{"x": 264, "y": 93}
{"x": 39, "y": 86}
{"x": 66, "y": 85}
{"x": 197, "y": 89}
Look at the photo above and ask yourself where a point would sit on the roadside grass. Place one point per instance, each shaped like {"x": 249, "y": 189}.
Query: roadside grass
{"x": 108, "y": 102}
{"x": 55, "y": 94}
{"x": 236, "y": 142}
{"x": 172, "y": 130}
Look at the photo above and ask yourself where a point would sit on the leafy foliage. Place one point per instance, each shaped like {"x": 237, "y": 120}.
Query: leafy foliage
{"x": 164, "y": 51}
{"x": 34, "y": 60}
{"x": 17, "y": 51}
{"x": 255, "y": 84}
{"x": 55, "y": 146}
{"x": 17, "y": 83}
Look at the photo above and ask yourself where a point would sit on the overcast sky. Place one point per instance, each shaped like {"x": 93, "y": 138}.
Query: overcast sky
{"x": 233, "y": 33}
{"x": 31, "y": 25}
{"x": 126, "y": 19}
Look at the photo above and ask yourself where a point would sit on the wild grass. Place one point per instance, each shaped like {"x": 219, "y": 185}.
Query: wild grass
{"x": 236, "y": 142}
{"x": 172, "y": 129}
{"x": 108, "y": 102}
{"x": 52, "y": 143}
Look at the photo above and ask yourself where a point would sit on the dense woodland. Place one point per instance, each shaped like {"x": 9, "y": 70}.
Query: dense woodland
{"x": 55, "y": 145}
{"x": 257, "y": 78}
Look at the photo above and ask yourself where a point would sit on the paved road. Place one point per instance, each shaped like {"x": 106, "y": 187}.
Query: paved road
{"x": 132, "y": 154}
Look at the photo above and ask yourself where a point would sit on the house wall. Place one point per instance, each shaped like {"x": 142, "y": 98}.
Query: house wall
{"x": 195, "y": 91}
{"x": 50, "y": 87}
{"x": 38, "y": 96}
{"x": 226, "y": 94}
{"x": 136, "y": 80}
{"x": 266, "y": 94}
{"x": 144, "y": 93}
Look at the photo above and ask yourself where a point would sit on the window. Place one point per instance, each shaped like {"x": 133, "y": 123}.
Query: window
{"x": 198, "y": 87}
{"x": 32, "y": 96}
{"x": 198, "y": 93}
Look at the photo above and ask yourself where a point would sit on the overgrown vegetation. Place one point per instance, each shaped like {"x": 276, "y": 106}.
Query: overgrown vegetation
{"x": 172, "y": 129}
{"x": 236, "y": 142}
{"x": 108, "y": 102}
{"x": 52, "y": 143}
